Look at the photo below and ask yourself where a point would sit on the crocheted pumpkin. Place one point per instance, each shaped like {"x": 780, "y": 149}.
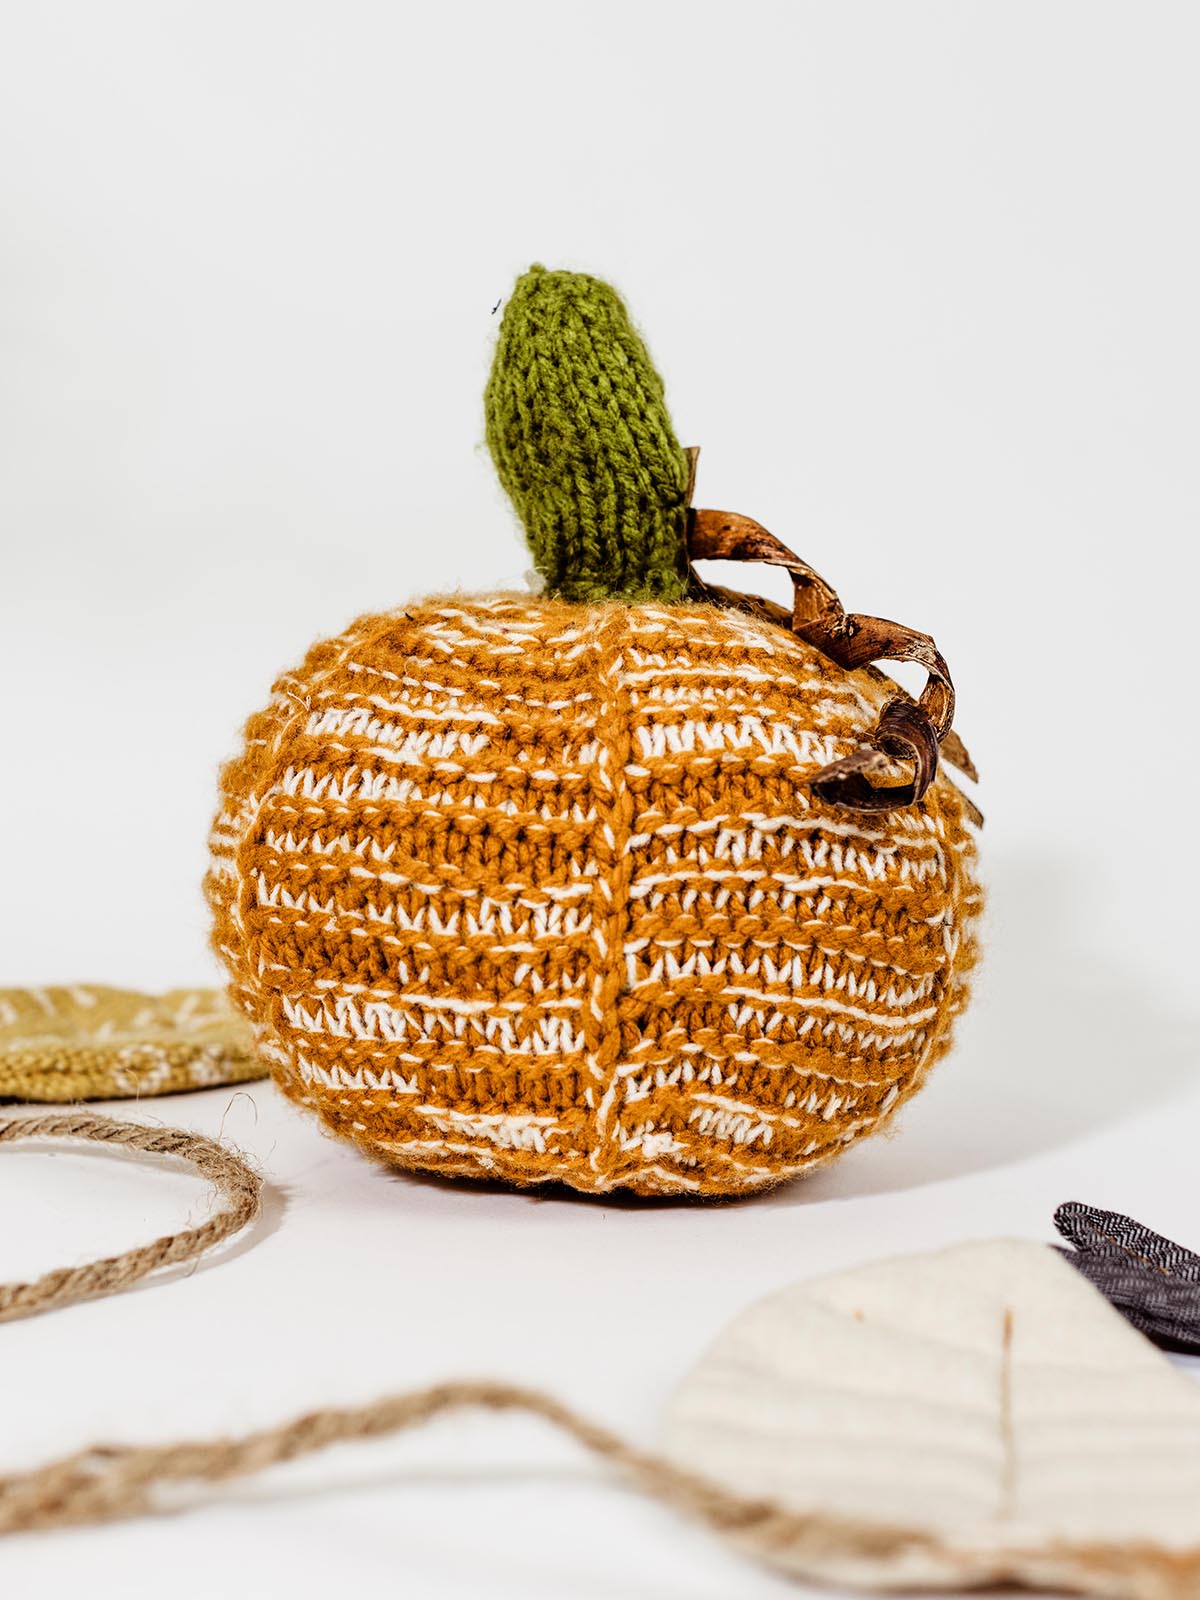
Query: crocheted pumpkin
{"x": 617, "y": 886}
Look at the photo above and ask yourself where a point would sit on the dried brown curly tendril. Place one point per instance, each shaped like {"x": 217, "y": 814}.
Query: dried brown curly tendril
{"x": 908, "y": 730}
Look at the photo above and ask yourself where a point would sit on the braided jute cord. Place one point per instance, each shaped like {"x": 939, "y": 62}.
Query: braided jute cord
{"x": 109, "y": 1483}
{"x": 238, "y": 1184}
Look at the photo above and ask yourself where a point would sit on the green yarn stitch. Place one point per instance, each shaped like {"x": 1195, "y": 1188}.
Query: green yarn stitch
{"x": 579, "y": 432}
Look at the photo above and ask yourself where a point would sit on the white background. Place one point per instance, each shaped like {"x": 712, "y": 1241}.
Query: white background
{"x": 922, "y": 281}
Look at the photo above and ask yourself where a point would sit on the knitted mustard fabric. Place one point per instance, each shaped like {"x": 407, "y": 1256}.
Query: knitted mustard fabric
{"x": 535, "y": 890}
{"x": 578, "y": 428}
{"x": 88, "y": 1042}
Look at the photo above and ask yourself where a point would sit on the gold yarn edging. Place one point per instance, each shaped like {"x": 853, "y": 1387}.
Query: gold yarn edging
{"x": 90, "y": 1042}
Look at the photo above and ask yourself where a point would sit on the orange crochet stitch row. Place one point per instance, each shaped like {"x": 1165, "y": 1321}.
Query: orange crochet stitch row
{"x": 536, "y": 890}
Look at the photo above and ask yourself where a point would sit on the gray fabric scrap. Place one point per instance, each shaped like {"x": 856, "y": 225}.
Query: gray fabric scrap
{"x": 1152, "y": 1281}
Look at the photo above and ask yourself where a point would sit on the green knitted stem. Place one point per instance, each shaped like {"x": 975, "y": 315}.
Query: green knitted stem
{"x": 578, "y": 429}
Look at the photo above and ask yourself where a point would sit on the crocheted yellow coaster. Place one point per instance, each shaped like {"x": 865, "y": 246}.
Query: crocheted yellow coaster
{"x": 88, "y": 1042}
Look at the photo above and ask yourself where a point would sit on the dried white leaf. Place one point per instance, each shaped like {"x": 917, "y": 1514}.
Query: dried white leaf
{"x": 973, "y": 1416}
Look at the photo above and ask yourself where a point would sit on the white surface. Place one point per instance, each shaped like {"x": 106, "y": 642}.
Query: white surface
{"x": 913, "y": 273}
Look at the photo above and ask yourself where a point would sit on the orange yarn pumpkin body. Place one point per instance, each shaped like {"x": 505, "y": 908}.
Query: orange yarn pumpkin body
{"x": 535, "y": 890}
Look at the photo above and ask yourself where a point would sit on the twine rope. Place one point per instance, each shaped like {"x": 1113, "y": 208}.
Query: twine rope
{"x": 237, "y": 1183}
{"x": 110, "y": 1483}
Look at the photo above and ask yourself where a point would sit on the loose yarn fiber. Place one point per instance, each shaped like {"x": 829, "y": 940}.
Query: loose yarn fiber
{"x": 537, "y": 889}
